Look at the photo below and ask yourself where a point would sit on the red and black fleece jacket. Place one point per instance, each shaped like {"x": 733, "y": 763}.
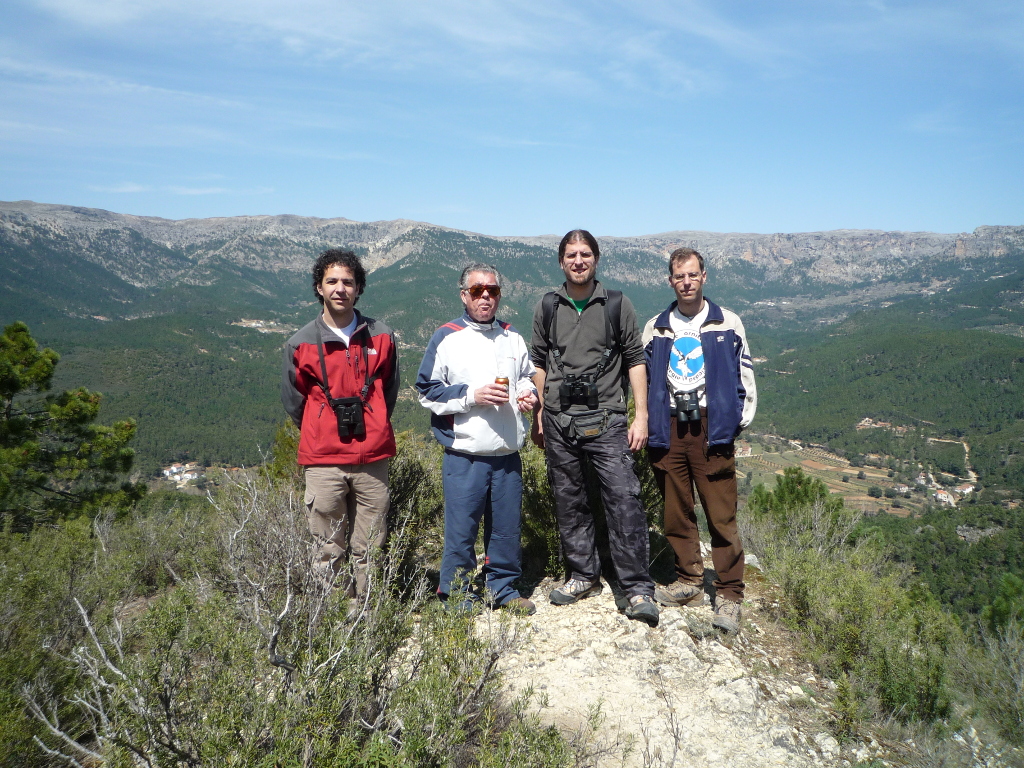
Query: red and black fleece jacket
{"x": 347, "y": 372}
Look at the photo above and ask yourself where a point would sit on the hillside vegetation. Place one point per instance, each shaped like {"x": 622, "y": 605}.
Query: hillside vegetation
{"x": 192, "y": 632}
{"x": 147, "y": 319}
{"x": 908, "y": 367}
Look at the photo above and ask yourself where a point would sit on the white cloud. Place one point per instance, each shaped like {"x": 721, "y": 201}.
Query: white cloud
{"x": 481, "y": 34}
{"x": 941, "y": 121}
{"x": 13, "y": 127}
{"x": 31, "y": 72}
{"x": 504, "y": 142}
{"x": 555, "y": 43}
{"x": 689, "y": 21}
{"x": 128, "y": 187}
{"x": 197, "y": 190}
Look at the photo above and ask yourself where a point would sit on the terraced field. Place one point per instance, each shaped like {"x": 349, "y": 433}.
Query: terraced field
{"x": 762, "y": 467}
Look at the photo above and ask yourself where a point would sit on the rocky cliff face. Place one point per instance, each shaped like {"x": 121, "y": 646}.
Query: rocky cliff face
{"x": 131, "y": 246}
{"x": 840, "y": 257}
{"x": 125, "y": 259}
{"x": 145, "y": 250}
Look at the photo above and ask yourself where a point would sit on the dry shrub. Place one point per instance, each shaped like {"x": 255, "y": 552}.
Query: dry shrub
{"x": 253, "y": 662}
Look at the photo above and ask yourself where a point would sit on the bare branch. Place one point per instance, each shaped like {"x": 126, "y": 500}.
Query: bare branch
{"x": 53, "y": 726}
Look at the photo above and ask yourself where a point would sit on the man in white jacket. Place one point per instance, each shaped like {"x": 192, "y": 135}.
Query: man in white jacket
{"x": 476, "y": 379}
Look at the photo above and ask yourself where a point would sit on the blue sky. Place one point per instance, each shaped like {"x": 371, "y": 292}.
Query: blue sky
{"x": 522, "y": 117}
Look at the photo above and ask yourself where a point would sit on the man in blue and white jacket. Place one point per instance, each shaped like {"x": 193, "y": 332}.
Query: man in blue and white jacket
{"x": 700, "y": 396}
{"x": 476, "y": 379}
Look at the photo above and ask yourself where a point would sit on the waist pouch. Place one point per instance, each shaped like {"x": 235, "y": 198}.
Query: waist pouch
{"x": 584, "y": 426}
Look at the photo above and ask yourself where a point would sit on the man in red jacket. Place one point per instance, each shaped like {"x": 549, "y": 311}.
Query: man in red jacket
{"x": 339, "y": 385}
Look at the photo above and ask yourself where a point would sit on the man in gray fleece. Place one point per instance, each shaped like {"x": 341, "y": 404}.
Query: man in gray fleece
{"x": 588, "y": 352}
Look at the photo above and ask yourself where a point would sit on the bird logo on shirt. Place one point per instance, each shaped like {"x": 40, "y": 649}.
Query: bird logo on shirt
{"x": 687, "y": 357}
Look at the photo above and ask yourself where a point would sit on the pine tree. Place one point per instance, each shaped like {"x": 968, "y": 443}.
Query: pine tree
{"x": 54, "y": 461}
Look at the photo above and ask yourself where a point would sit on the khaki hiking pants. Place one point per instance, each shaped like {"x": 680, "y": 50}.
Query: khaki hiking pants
{"x": 347, "y": 507}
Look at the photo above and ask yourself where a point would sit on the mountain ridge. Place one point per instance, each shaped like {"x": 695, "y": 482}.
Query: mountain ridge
{"x": 296, "y": 236}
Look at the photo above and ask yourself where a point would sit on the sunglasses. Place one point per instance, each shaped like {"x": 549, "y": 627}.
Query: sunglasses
{"x": 476, "y": 291}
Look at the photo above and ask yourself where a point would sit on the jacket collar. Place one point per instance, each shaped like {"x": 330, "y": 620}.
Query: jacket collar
{"x": 714, "y": 314}
{"x": 495, "y": 324}
{"x": 327, "y": 334}
{"x": 599, "y": 294}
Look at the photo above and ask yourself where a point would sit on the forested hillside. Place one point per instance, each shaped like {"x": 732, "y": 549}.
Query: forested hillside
{"x": 914, "y": 366}
{"x": 185, "y": 337}
{"x": 960, "y": 554}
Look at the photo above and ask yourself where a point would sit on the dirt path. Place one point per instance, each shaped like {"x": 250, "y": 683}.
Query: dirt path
{"x": 676, "y": 694}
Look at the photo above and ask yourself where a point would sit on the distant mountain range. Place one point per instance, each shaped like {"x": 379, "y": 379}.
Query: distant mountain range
{"x": 130, "y": 266}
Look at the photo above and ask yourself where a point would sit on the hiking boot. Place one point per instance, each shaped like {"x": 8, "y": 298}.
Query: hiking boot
{"x": 643, "y": 608}
{"x": 573, "y": 590}
{"x": 519, "y": 606}
{"x": 678, "y": 594}
{"x": 727, "y": 616}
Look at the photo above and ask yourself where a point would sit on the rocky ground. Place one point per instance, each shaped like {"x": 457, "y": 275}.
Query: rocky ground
{"x": 681, "y": 693}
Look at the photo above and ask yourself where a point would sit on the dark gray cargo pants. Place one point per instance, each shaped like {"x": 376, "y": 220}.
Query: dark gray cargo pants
{"x": 620, "y": 493}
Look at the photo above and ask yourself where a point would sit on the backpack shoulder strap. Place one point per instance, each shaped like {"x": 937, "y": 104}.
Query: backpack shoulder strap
{"x": 613, "y": 311}
{"x": 612, "y": 331}
{"x": 547, "y": 305}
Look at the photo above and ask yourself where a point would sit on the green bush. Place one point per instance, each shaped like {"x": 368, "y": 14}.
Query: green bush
{"x": 542, "y": 549}
{"x": 887, "y": 643}
{"x": 1007, "y": 606}
{"x": 995, "y": 673}
{"x": 110, "y": 568}
{"x": 994, "y": 669}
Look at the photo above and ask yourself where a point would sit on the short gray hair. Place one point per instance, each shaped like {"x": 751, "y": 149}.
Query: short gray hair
{"x": 478, "y": 267}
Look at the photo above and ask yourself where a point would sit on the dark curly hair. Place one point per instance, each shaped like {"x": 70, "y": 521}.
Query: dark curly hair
{"x": 342, "y": 258}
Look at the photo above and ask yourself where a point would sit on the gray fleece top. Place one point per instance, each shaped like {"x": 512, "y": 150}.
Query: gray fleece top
{"x": 581, "y": 342}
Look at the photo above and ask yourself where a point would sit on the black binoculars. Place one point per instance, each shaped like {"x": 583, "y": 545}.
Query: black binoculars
{"x": 349, "y": 411}
{"x": 578, "y": 390}
{"x": 685, "y": 406}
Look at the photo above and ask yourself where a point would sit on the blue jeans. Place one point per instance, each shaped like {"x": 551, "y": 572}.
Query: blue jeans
{"x": 490, "y": 487}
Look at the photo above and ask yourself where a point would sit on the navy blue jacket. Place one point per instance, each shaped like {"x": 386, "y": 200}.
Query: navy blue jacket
{"x": 728, "y": 376}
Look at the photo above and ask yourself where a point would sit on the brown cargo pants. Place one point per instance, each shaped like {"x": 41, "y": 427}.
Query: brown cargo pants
{"x": 687, "y": 463}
